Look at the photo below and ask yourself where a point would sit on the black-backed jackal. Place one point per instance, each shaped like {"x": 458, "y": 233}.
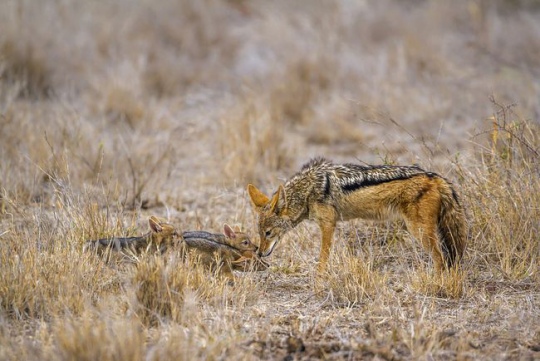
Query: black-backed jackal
{"x": 232, "y": 250}
{"x": 160, "y": 237}
{"x": 326, "y": 193}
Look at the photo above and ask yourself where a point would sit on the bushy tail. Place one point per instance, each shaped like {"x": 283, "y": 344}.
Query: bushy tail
{"x": 452, "y": 226}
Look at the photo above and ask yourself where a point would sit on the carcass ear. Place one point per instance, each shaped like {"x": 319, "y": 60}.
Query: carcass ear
{"x": 155, "y": 225}
{"x": 258, "y": 199}
{"x": 228, "y": 231}
{"x": 279, "y": 201}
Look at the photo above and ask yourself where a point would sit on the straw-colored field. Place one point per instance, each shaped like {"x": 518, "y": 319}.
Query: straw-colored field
{"x": 112, "y": 111}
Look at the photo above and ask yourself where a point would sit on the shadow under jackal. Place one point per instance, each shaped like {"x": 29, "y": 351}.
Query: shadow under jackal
{"x": 327, "y": 193}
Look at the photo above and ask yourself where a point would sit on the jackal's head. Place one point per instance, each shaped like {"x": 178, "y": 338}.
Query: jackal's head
{"x": 238, "y": 240}
{"x": 248, "y": 260}
{"x": 161, "y": 232}
{"x": 274, "y": 219}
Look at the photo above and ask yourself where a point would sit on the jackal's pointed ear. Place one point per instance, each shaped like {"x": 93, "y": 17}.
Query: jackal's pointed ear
{"x": 282, "y": 203}
{"x": 258, "y": 199}
{"x": 155, "y": 224}
{"x": 228, "y": 231}
{"x": 274, "y": 202}
{"x": 279, "y": 200}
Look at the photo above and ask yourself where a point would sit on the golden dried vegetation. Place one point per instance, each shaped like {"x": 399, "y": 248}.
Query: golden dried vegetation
{"x": 113, "y": 111}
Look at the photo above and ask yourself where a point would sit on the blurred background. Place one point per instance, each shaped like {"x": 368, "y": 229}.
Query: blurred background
{"x": 176, "y": 102}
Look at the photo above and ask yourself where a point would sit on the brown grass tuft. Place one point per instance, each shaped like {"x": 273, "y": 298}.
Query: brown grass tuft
{"x": 352, "y": 279}
{"x": 252, "y": 142}
{"x": 95, "y": 338}
{"x": 502, "y": 191}
{"x": 447, "y": 284}
{"x": 163, "y": 289}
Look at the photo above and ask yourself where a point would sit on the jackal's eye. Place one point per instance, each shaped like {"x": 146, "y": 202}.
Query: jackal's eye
{"x": 245, "y": 243}
{"x": 268, "y": 233}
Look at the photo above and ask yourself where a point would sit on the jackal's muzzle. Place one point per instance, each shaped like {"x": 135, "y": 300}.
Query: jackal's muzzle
{"x": 269, "y": 249}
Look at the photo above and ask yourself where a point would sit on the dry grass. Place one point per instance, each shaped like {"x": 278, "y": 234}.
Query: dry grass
{"x": 251, "y": 142}
{"x": 164, "y": 289}
{"x": 111, "y": 112}
{"x": 353, "y": 278}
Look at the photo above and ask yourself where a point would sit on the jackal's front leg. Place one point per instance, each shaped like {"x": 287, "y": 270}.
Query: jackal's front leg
{"x": 326, "y": 216}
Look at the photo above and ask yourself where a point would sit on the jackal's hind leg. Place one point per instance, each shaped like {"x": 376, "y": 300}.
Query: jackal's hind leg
{"x": 425, "y": 230}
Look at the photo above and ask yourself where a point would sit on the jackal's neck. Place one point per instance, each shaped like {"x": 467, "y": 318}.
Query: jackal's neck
{"x": 148, "y": 237}
{"x": 304, "y": 186}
